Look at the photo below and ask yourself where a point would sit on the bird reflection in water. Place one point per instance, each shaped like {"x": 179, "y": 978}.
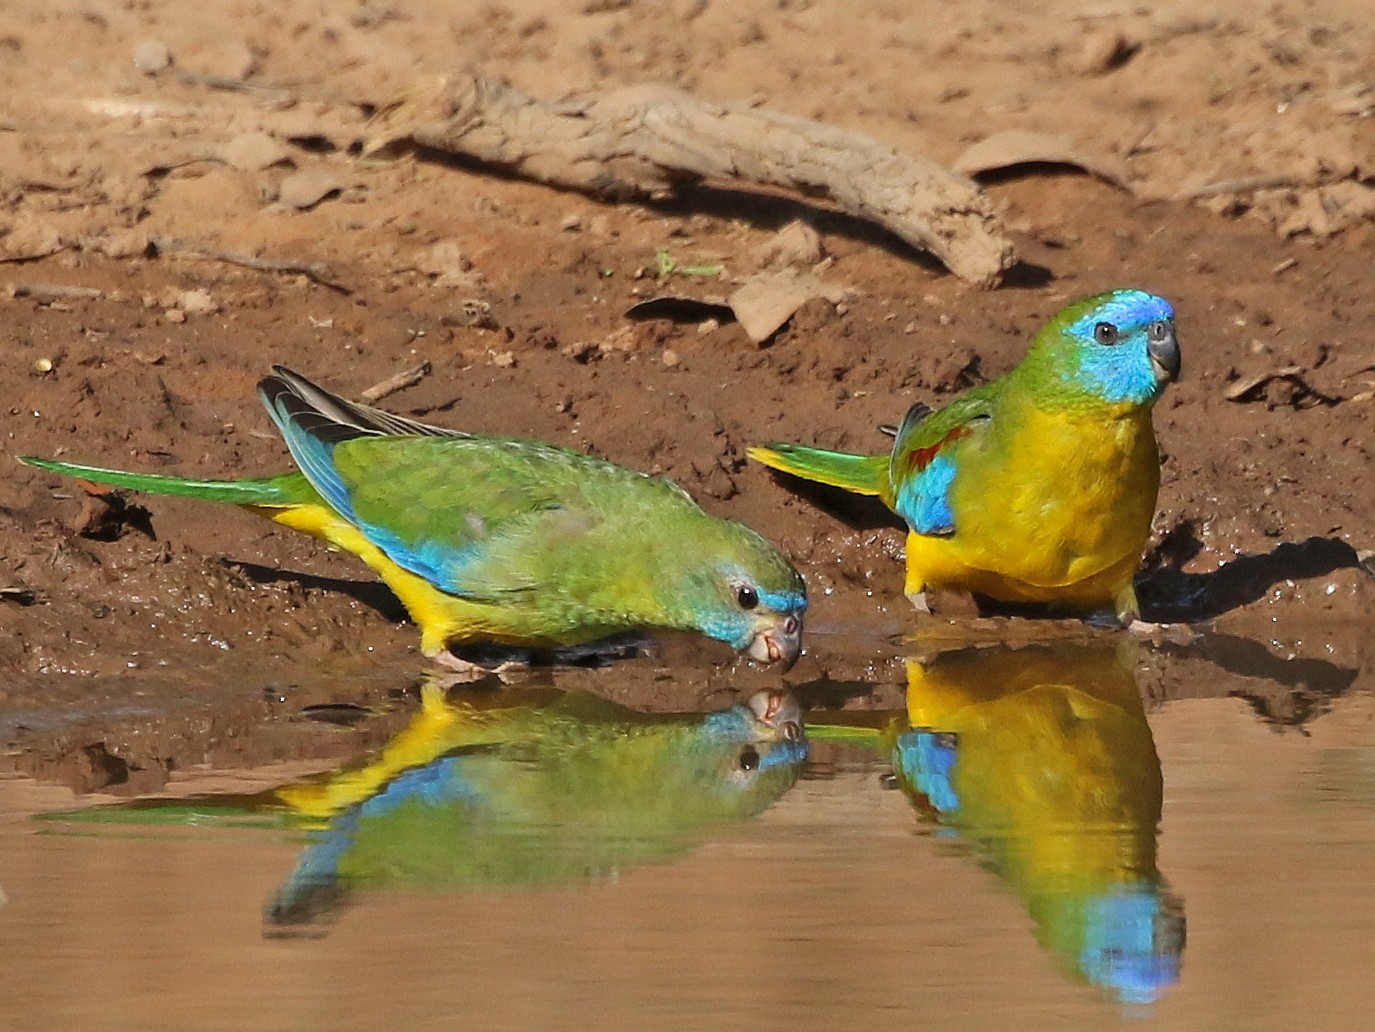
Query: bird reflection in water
{"x": 1040, "y": 758}
{"x": 576, "y": 789}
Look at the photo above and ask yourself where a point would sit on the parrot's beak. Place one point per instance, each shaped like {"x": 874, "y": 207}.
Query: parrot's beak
{"x": 781, "y": 641}
{"x": 780, "y": 710}
{"x": 1164, "y": 354}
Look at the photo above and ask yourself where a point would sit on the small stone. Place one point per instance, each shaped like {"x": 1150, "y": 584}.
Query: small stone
{"x": 1102, "y": 51}
{"x": 174, "y": 315}
{"x": 152, "y": 56}
{"x": 305, "y": 189}
{"x": 253, "y": 152}
{"x": 571, "y": 223}
{"x": 670, "y": 359}
{"x": 44, "y": 365}
{"x": 504, "y": 359}
{"x": 197, "y": 302}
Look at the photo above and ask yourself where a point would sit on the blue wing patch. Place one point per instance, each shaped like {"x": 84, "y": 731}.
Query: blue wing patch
{"x": 923, "y": 500}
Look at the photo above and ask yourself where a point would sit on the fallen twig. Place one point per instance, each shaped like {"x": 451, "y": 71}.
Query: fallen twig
{"x": 392, "y": 384}
{"x": 18, "y": 593}
{"x": 317, "y": 272}
{"x": 1244, "y": 184}
{"x": 53, "y": 291}
{"x": 646, "y": 140}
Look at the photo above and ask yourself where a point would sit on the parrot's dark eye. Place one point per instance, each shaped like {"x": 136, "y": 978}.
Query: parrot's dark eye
{"x": 1105, "y": 333}
{"x": 1159, "y": 330}
{"x": 749, "y": 758}
{"x": 747, "y": 597}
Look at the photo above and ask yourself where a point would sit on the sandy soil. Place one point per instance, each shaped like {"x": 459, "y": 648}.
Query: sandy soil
{"x": 1242, "y": 139}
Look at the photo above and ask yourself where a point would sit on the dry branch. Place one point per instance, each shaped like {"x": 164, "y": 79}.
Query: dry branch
{"x": 317, "y": 272}
{"x": 392, "y": 384}
{"x": 645, "y": 140}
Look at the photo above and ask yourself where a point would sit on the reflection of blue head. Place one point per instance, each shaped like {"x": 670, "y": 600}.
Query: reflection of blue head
{"x": 1118, "y": 927}
{"x": 925, "y": 760}
{"x": 1133, "y": 938}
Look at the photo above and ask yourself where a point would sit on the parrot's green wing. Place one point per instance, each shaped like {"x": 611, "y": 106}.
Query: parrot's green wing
{"x": 922, "y": 467}
{"x": 480, "y": 518}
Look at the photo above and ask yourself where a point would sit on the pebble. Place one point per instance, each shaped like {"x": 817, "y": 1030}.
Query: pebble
{"x": 152, "y": 56}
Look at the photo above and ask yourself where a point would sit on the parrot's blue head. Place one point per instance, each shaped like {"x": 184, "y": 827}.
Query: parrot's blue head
{"x": 754, "y": 601}
{"x": 1119, "y": 347}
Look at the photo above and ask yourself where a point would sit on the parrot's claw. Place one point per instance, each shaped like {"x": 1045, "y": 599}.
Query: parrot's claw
{"x": 465, "y": 671}
{"x": 1163, "y": 633}
{"x": 919, "y": 601}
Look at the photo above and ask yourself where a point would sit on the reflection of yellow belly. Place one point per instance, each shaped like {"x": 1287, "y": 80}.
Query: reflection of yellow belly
{"x": 1057, "y": 512}
{"x": 1057, "y": 769}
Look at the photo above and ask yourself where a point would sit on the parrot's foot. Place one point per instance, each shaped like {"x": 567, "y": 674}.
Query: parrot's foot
{"x": 476, "y": 660}
{"x": 466, "y": 671}
{"x": 919, "y": 601}
{"x": 1163, "y": 633}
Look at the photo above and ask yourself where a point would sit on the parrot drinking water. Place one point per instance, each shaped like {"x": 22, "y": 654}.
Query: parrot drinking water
{"x": 1039, "y": 486}
{"x": 487, "y": 539}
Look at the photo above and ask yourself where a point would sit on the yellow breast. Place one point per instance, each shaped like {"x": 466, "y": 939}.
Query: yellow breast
{"x": 1057, "y": 511}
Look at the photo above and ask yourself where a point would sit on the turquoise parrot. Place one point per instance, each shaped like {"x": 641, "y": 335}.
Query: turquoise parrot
{"x": 487, "y": 539}
{"x": 1042, "y": 760}
{"x": 526, "y": 792}
{"x": 1039, "y": 486}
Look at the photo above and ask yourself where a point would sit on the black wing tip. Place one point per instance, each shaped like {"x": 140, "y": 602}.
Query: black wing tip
{"x": 284, "y": 379}
{"x": 287, "y": 395}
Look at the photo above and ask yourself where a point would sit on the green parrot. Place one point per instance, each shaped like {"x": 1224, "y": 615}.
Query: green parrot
{"x": 1041, "y": 758}
{"x": 1040, "y": 486}
{"x": 520, "y": 794}
{"x": 487, "y": 539}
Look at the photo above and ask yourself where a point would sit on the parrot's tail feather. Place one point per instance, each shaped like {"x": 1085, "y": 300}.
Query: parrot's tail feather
{"x": 862, "y": 474}
{"x": 285, "y": 490}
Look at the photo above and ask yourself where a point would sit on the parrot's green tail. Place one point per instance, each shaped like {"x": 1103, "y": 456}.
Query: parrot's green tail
{"x": 862, "y": 474}
{"x": 287, "y": 489}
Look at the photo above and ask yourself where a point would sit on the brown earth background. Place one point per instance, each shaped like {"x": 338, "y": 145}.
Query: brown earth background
{"x": 1234, "y": 153}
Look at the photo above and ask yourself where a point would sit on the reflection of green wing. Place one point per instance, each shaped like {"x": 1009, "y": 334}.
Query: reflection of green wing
{"x": 1042, "y": 758}
{"x": 517, "y": 794}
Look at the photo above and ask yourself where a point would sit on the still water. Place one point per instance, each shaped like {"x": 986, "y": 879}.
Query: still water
{"x": 1022, "y": 843}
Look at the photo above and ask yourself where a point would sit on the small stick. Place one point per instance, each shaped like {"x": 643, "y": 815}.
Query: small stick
{"x": 1243, "y": 184}
{"x": 392, "y": 384}
{"x": 52, "y": 291}
{"x": 317, "y": 272}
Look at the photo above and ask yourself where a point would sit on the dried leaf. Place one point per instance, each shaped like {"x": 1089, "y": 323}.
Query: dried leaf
{"x": 1014, "y": 147}
{"x": 767, "y": 300}
{"x": 680, "y": 309}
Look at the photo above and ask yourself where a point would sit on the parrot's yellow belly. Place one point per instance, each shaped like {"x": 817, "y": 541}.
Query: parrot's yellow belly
{"x": 1057, "y": 512}
{"x": 441, "y": 617}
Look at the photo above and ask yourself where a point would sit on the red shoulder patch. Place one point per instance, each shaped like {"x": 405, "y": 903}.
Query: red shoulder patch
{"x": 919, "y": 458}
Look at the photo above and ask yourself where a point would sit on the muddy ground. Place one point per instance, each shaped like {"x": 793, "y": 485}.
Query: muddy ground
{"x": 135, "y": 137}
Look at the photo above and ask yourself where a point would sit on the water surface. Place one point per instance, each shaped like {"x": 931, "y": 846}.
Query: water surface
{"x": 1020, "y": 843}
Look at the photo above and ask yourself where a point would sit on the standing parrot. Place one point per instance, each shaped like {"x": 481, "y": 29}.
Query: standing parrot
{"x": 1040, "y": 486}
{"x": 507, "y": 541}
